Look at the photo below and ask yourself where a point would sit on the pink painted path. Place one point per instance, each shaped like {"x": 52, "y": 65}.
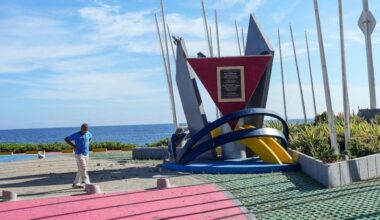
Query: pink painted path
{"x": 192, "y": 202}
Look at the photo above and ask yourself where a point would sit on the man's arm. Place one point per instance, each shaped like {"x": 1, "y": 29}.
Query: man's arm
{"x": 67, "y": 140}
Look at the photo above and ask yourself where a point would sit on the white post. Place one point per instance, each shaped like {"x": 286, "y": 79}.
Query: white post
{"x": 367, "y": 23}
{"x": 242, "y": 39}
{"x": 169, "y": 69}
{"x": 330, "y": 113}
{"x": 217, "y": 32}
{"x": 206, "y": 29}
{"x": 311, "y": 74}
{"x": 282, "y": 76}
{"x": 212, "y": 49}
{"x": 237, "y": 37}
{"x": 163, "y": 59}
{"x": 218, "y": 49}
{"x": 346, "y": 103}
{"x": 171, "y": 43}
{"x": 298, "y": 74}
{"x": 211, "y": 43}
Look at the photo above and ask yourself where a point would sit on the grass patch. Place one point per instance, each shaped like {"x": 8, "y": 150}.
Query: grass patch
{"x": 61, "y": 146}
{"x": 314, "y": 140}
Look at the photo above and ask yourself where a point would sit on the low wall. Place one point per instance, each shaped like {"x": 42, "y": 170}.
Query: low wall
{"x": 340, "y": 173}
{"x": 150, "y": 153}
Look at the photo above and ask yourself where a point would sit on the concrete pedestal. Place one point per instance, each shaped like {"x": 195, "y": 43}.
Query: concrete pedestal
{"x": 233, "y": 150}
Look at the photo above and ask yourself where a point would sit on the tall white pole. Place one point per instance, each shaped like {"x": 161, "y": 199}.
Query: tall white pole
{"x": 242, "y": 39}
{"x": 311, "y": 75}
{"x": 330, "y": 112}
{"x": 282, "y": 76}
{"x": 237, "y": 37}
{"x": 209, "y": 41}
{"x": 175, "y": 122}
{"x": 165, "y": 66}
{"x": 217, "y": 32}
{"x": 218, "y": 48}
{"x": 206, "y": 29}
{"x": 212, "y": 45}
{"x": 212, "y": 49}
{"x": 298, "y": 74}
{"x": 162, "y": 49}
{"x": 367, "y": 23}
{"x": 171, "y": 43}
{"x": 346, "y": 103}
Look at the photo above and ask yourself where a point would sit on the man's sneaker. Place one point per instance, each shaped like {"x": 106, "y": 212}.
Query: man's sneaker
{"x": 76, "y": 186}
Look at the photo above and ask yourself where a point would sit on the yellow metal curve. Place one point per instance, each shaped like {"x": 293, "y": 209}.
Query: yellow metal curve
{"x": 214, "y": 133}
{"x": 268, "y": 149}
{"x": 262, "y": 150}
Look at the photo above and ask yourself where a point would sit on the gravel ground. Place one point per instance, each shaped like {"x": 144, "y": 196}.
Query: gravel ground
{"x": 113, "y": 172}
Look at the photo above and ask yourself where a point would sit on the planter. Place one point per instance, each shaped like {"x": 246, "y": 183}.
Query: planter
{"x": 68, "y": 151}
{"x": 34, "y": 152}
{"x": 95, "y": 150}
{"x": 6, "y": 153}
{"x": 150, "y": 153}
{"x": 339, "y": 173}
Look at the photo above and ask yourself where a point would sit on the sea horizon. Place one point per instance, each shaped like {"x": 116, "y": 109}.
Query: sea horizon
{"x": 140, "y": 134}
{"x": 291, "y": 121}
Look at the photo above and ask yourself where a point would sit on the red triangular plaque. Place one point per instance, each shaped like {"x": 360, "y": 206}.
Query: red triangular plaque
{"x": 230, "y": 81}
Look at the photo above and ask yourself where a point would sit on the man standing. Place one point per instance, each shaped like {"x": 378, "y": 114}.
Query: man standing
{"x": 82, "y": 143}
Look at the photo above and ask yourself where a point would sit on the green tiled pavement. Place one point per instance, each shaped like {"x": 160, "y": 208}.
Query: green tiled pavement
{"x": 294, "y": 195}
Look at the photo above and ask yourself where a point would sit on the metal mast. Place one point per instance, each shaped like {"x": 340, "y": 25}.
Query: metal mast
{"x": 282, "y": 76}
{"x": 330, "y": 113}
{"x": 346, "y": 103}
{"x": 238, "y": 39}
{"x": 175, "y": 122}
{"x": 298, "y": 74}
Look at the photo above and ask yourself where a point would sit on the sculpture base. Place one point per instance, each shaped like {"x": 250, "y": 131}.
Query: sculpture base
{"x": 246, "y": 165}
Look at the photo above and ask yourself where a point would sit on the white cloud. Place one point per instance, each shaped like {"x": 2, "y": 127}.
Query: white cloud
{"x": 110, "y": 22}
{"x": 18, "y": 58}
{"x": 251, "y": 6}
{"x": 358, "y": 97}
{"x": 97, "y": 86}
{"x": 280, "y": 15}
{"x": 79, "y": 65}
{"x": 287, "y": 48}
{"x": 19, "y": 82}
{"x": 38, "y": 28}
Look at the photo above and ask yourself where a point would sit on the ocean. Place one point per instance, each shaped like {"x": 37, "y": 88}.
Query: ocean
{"x": 134, "y": 134}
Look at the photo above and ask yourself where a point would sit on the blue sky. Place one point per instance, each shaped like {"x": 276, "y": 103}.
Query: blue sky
{"x": 64, "y": 62}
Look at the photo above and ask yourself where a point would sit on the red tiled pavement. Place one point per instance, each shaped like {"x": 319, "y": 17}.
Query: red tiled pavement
{"x": 192, "y": 202}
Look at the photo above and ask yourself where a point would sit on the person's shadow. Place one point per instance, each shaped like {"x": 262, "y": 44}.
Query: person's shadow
{"x": 96, "y": 176}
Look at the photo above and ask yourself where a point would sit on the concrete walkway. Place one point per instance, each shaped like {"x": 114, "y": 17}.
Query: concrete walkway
{"x": 113, "y": 172}
{"x": 191, "y": 202}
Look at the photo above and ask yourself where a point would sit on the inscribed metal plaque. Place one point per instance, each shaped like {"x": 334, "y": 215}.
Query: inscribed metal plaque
{"x": 231, "y": 84}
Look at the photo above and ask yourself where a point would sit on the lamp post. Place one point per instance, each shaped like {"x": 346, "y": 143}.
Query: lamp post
{"x": 367, "y": 24}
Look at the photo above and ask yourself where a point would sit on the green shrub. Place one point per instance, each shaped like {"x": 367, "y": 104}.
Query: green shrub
{"x": 363, "y": 146}
{"x": 113, "y": 145}
{"x": 273, "y": 124}
{"x": 162, "y": 142}
{"x": 376, "y": 119}
{"x": 314, "y": 139}
{"x": 57, "y": 147}
{"x": 321, "y": 118}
